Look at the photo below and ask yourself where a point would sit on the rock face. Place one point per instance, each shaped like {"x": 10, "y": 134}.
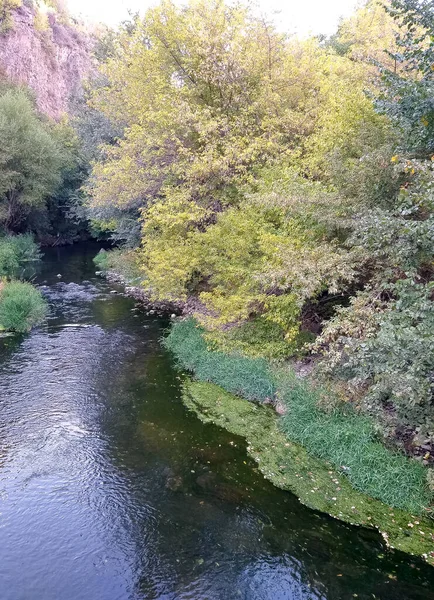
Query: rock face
{"x": 52, "y": 61}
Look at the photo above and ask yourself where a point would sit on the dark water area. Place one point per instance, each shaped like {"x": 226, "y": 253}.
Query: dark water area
{"x": 111, "y": 490}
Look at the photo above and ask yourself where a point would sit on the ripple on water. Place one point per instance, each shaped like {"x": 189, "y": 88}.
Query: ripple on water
{"x": 111, "y": 490}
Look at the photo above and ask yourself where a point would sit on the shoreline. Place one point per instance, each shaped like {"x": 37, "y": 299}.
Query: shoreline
{"x": 316, "y": 483}
{"x": 288, "y": 465}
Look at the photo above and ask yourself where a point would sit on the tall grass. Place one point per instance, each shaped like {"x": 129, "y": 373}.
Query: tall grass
{"x": 348, "y": 441}
{"x": 342, "y": 437}
{"x": 250, "y": 378}
{"x": 21, "y": 306}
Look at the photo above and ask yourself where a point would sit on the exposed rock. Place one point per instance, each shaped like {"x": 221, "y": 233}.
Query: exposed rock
{"x": 53, "y": 62}
{"x": 174, "y": 483}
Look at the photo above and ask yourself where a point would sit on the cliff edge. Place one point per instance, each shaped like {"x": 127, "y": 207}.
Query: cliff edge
{"x": 47, "y": 53}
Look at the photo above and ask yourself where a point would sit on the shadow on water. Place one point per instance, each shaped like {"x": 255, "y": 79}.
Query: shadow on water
{"x": 111, "y": 490}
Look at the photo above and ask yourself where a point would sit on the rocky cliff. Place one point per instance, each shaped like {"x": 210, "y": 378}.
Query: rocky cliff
{"x": 50, "y": 56}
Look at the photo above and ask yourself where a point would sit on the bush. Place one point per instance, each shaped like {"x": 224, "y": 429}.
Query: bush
{"x": 122, "y": 262}
{"x": 384, "y": 350}
{"x": 250, "y": 378}
{"x": 21, "y": 306}
{"x": 15, "y": 252}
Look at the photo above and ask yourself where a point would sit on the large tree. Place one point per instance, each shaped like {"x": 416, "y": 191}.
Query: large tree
{"x": 207, "y": 93}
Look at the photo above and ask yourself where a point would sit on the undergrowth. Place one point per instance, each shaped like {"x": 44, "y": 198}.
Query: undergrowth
{"x": 250, "y": 378}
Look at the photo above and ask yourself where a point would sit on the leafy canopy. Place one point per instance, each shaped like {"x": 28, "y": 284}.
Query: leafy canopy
{"x": 31, "y": 158}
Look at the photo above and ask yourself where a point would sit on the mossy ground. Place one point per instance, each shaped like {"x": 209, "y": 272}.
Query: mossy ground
{"x": 315, "y": 482}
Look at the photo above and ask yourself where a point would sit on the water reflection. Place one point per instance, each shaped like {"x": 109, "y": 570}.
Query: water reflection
{"x": 110, "y": 490}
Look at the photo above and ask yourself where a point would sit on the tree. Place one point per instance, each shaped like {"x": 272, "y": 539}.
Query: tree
{"x": 30, "y": 159}
{"x": 408, "y": 92}
{"x": 208, "y": 93}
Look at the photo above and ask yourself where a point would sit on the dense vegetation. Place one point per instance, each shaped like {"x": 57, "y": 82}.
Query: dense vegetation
{"x": 285, "y": 190}
{"x": 21, "y": 304}
{"x": 41, "y": 170}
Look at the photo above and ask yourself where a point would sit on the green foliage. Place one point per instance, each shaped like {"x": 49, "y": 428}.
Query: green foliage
{"x": 407, "y": 94}
{"x": 347, "y": 440}
{"x": 30, "y": 159}
{"x": 386, "y": 350}
{"x": 212, "y": 93}
{"x": 254, "y": 267}
{"x": 21, "y": 306}
{"x": 259, "y": 337}
{"x": 248, "y": 377}
{"x": 121, "y": 262}
{"x": 15, "y": 253}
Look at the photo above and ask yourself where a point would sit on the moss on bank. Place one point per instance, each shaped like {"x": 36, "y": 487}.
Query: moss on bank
{"x": 289, "y": 466}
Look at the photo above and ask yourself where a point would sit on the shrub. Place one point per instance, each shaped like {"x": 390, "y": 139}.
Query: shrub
{"x": 385, "y": 350}
{"x": 15, "y": 252}
{"x": 21, "y": 306}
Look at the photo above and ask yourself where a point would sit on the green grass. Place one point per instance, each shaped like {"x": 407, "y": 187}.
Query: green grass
{"x": 21, "y": 306}
{"x": 348, "y": 441}
{"x": 343, "y": 438}
{"x": 250, "y": 378}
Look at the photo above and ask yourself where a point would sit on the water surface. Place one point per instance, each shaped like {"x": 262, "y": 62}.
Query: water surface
{"x": 111, "y": 490}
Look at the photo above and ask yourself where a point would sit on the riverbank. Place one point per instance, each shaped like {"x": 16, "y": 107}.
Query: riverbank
{"x": 316, "y": 483}
{"x": 250, "y": 401}
{"x": 331, "y": 461}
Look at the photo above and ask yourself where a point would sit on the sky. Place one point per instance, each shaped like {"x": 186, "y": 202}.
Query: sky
{"x": 294, "y": 16}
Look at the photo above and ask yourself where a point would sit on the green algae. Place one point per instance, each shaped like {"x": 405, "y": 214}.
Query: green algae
{"x": 316, "y": 483}
{"x": 342, "y": 437}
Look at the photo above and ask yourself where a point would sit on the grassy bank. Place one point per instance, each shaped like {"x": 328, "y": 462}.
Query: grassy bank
{"x": 316, "y": 483}
{"x": 343, "y": 439}
{"x": 21, "y": 304}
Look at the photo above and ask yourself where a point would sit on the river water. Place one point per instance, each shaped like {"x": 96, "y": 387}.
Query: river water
{"x": 111, "y": 490}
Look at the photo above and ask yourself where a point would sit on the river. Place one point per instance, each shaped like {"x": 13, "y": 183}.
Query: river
{"x": 111, "y": 490}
